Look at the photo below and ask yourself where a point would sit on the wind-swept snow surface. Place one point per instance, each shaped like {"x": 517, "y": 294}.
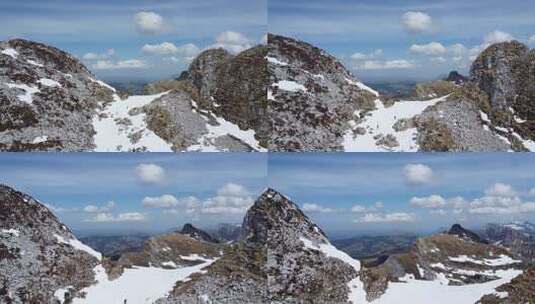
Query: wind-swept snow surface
{"x": 137, "y": 285}
{"x": 118, "y": 130}
{"x": 380, "y": 122}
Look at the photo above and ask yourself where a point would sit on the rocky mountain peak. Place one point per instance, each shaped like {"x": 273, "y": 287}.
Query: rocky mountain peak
{"x": 198, "y": 234}
{"x": 457, "y": 78}
{"x": 273, "y": 213}
{"x": 458, "y": 230}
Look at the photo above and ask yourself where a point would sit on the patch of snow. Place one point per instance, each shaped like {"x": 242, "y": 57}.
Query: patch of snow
{"x": 28, "y": 92}
{"x": 10, "y": 52}
{"x": 290, "y": 86}
{"x": 169, "y": 264}
{"x": 330, "y": 251}
{"x": 425, "y": 292}
{"x": 34, "y": 63}
{"x": 102, "y": 83}
{"x": 224, "y": 127}
{"x": 40, "y": 139}
{"x": 275, "y": 61}
{"x": 529, "y": 144}
{"x": 484, "y": 116}
{"x": 381, "y": 121}
{"x": 11, "y": 231}
{"x": 49, "y": 82}
{"x": 60, "y": 293}
{"x": 111, "y": 136}
{"x": 76, "y": 244}
{"x": 137, "y": 285}
{"x": 499, "y": 261}
{"x": 362, "y": 86}
{"x": 193, "y": 257}
{"x": 270, "y": 95}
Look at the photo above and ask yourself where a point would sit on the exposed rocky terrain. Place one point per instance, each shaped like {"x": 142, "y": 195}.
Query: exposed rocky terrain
{"x": 197, "y": 234}
{"x": 40, "y": 259}
{"x": 519, "y": 237}
{"x": 50, "y": 101}
{"x": 366, "y": 247}
{"x": 226, "y": 232}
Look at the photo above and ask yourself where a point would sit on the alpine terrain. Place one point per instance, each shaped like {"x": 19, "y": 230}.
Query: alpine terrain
{"x": 280, "y": 257}
{"x": 315, "y": 103}
{"x": 49, "y": 101}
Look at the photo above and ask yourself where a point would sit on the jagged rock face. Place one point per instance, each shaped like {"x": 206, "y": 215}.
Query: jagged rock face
{"x": 463, "y": 233}
{"x": 447, "y": 258}
{"x": 456, "y": 78}
{"x": 38, "y": 254}
{"x": 280, "y": 259}
{"x": 234, "y": 87}
{"x": 47, "y": 99}
{"x": 506, "y": 72}
{"x": 197, "y": 234}
{"x": 312, "y": 97}
{"x": 518, "y": 237}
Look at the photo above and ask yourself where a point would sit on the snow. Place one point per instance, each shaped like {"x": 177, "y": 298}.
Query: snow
{"x": 49, "y": 82}
{"x": 112, "y": 137}
{"x": 362, "y": 86}
{"x": 34, "y": 63}
{"x": 40, "y": 139}
{"x": 28, "y": 92}
{"x": 529, "y": 144}
{"x": 137, "y": 285}
{"x": 381, "y": 121}
{"x": 10, "y": 52}
{"x": 169, "y": 264}
{"x": 330, "y": 251}
{"x": 76, "y": 244}
{"x": 60, "y": 293}
{"x": 514, "y": 227}
{"x": 484, "y": 116}
{"x": 11, "y": 231}
{"x": 275, "y": 61}
{"x": 425, "y": 292}
{"x": 193, "y": 257}
{"x": 290, "y": 86}
{"x": 102, "y": 83}
{"x": 499, "y": 261}
{"x": 224, "y": 127}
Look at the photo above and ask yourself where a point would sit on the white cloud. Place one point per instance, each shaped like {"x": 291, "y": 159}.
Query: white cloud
{"x": 149, "y": 22}
{"x": 458, "y": 49}
{"x": 433, "y": 202}
{"x": 121, "y": 217}
{"x": 399, "y": 64}
{"x": 531, "y": 192}
{"x": 233, "y": 42}
{"x": 361, "y": 209}
{"x": 531, "y": 41}
{"x": 417, "y": 22}
{"x": 94, "y": 56}
{"x": 386, "y": 218}
{"x": 230, "y": 199}
{"x": 360, "y": 56}
{"x": 418, "y": 174}
{"x": 314, "y": 208}
{"x": 496, "y": 37}
{"x": 151, "y": 173}
{"x": 96, "y": 209}
{"x": 264, "y": 39}
{"x": 168, "y": 48}
{"x": 58, "y": 209}
{"x": 432, "y": 49}
{"x": 119, "y": 65}
{"x": 439, "y": 212}
{"x": 438, "y": 60}
{"x": 500, "y": 189}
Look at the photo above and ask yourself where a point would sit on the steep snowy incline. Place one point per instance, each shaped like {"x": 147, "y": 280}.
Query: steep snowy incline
{"x": 379, "y": 130}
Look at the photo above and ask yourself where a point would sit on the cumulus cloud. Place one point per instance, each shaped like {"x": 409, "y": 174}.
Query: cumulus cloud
{"x": 167, "y": 48}
{"x": 315, "y": 208}
{"x": 229, "y": 199}
{"x": 399, "y": 64}
{"x": 432, "y": 49}
{"x": 531, "y": 41}
{"x": 438, "y": 60}
{"x": 149, "y": 23}
{"x": 418, "y": 174}
{"x": 94, "y": 56}
{"x": 361, "y": 209}
{"x": 120, "y": 65}
{"x": 400, "y": 217}
{"x": 500, "y": 189}
{"x": 417, "y": 22}
{"x": 433, "y": 201}
{"x": 96, "y": 209}
{"x": 497, "y": 37}
{"x": 151, "y": 173}
{"x": 233, "y": 42}
{"x": 121, "y": 217}
{"x": 360, "y": 56}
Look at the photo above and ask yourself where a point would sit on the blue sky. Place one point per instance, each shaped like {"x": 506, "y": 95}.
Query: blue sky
{"x": 81, "y": 27}
{"x": 346, "y": 27}
{"x": 156, "y": 192}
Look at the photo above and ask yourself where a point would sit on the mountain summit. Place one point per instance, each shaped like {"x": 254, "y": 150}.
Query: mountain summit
{"x": 463, "y": 233}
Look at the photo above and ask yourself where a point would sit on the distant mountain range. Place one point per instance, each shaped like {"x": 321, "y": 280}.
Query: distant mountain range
{"x": 280, "y": 256}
